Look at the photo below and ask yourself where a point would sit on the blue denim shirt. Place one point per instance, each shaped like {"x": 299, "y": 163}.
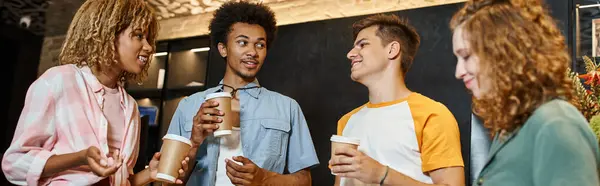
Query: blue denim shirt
{"x": 274, "y": 132}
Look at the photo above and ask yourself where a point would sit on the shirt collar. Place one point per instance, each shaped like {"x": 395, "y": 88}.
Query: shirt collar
{"x": 89, "y": 77}
{"x": 97, "y": 87}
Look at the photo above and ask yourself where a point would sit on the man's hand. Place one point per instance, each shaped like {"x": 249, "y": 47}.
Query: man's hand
{"x": 99, "y": 164}
{"x": 153, "y": 166}
{"x": 205, "y": 122}
{"x": 351, "y": 163}
{"x": 246, "y": 174}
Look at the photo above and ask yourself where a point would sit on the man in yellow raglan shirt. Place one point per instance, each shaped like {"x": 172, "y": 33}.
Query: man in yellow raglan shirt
{"x": 405, "y": 137}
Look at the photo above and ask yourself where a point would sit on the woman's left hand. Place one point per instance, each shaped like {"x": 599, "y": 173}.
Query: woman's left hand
{"x": 153, "y": 166}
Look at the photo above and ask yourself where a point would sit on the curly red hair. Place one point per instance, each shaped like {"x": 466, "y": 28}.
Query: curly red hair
{"x": 521, "y": 52}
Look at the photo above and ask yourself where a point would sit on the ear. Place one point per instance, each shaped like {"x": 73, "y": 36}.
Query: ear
{"x": 394, "y": 50}
{"x": 222, "y": 49}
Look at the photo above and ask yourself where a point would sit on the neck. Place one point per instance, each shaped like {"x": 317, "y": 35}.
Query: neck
{"x": 234, "y": 80}
{"x": 387, "y": 86}
{"x": 108, "y": 77}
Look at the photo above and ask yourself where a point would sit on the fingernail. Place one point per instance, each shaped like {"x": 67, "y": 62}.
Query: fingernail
{"x": 103, "y": 162}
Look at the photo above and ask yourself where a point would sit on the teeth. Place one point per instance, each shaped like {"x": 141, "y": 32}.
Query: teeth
{"x": 142, "y": 58}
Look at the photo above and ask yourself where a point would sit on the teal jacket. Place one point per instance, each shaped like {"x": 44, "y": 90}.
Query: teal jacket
{"x": 555, "y": 146}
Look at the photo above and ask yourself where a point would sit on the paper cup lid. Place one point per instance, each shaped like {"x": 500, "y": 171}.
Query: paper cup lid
{"x": 218, "y": 95}
{"x": 165, "y": 177}
{"x": 219, "y": 133}
{"x": 342, "y": 139}
{"x": 178, "y": 138}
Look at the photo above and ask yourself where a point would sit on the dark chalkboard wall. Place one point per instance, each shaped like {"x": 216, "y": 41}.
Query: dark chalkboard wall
{"x": 308, "y": 62}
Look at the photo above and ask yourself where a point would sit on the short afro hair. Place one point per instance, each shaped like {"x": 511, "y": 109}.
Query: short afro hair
{"x": 241, "y": 12}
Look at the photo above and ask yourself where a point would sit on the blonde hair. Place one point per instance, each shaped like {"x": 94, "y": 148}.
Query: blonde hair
{"x": 523, "y": 54}
{"x": 95, "y": 28}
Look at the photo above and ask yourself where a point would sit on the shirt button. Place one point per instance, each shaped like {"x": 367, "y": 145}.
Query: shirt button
{"x": 480, "y": 181}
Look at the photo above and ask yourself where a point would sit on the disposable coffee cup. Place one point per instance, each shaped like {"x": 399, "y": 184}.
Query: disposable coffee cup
{"x": 341, "y": 141}
{"x": 224, "y": 100}
{"x": 173, "y": 151}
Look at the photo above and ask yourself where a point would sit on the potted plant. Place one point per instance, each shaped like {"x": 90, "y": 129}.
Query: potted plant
{"x": 587, "y": 92}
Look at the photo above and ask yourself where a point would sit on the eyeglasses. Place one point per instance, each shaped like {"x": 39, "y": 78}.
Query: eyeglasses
{"x": 234, "y": 90}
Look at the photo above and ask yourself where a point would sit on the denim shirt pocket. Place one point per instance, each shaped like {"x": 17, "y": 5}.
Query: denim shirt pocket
{"x": 275, "y": 133}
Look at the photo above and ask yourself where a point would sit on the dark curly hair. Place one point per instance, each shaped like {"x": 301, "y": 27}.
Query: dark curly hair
{"x": 241, "y": 12}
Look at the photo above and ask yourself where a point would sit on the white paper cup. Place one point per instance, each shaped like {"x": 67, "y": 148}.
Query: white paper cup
{"x": 341, "y": 141}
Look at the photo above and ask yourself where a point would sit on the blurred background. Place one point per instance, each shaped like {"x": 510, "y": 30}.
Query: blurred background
{"x": 307, "y": 61}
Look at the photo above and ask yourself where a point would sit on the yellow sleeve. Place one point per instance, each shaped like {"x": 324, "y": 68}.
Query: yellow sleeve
{"x": 342, "y": 123}
{"x": 440, "y": 145}
{"x": 344, "y": 120}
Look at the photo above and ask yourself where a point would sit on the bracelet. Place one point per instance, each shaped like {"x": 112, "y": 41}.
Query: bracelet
{"x": 387, "y": 168}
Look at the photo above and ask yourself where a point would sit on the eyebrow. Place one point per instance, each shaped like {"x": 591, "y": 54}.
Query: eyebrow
{"x": 360, "y": 40}
{"x": 243, "y": 36}
{"x": 246, "y": 37}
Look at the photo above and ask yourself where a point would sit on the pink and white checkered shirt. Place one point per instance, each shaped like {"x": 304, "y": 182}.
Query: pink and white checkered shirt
{"x": 63, "y": 114}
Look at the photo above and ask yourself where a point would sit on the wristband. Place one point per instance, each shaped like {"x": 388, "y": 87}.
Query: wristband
{"x": 387, "y": 168}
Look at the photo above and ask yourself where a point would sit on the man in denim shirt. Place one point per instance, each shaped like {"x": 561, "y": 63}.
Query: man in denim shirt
{"x": 275, "y": 133}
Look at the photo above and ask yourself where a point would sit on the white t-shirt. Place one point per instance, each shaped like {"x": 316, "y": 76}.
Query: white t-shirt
{"x": 413, "y": 136}
{"x": 231, "y": 145}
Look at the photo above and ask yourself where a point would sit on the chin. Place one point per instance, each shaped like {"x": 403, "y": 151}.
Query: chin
{"x": 135, "y": 70}
{"x": 247, "y": 75}
{"x": 476, "y": 94}
{"x": 355, "y": 77}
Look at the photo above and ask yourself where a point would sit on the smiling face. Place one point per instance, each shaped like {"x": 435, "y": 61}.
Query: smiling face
{"x": 133, "y": 50}
{"x": 468, "y": 64}
{"x": 245, "y": 50}
{"x": 368, "y": 57}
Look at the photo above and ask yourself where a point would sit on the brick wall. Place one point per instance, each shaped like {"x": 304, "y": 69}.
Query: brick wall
{"x": 58, "y": 18}
{"x": 50, "y": 51}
